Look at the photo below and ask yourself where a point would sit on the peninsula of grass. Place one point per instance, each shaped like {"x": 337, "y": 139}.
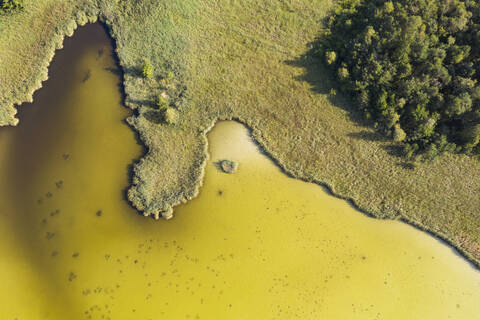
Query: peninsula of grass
{"x": 245, "y": 60}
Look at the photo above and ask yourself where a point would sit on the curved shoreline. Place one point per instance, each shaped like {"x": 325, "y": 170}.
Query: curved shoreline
{"x": 201, "y": 159}
{"x": 330, "y": 190}
{"x": 56, "y": 43}
{"x": 326, "y": 187}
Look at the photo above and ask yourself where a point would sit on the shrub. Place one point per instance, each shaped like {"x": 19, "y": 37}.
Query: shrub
{"x": 162, "y": 102}
{"x": 147, "y": 70}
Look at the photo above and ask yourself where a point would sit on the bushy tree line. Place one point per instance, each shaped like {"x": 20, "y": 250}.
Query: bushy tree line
{"x": 7, "y": 6}
{"x": 413, "y": 67}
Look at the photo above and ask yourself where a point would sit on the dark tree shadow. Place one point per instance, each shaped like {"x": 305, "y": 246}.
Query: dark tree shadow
{"x": 141, "y": 102}
{"x": 155, "y": 116}
{"x": 323, "y": 81}
{"x": 368, "y": 136}
{"x": 394, "y": 150}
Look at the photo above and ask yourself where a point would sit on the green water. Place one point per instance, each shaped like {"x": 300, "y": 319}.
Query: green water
{"x": 254, "y": 244}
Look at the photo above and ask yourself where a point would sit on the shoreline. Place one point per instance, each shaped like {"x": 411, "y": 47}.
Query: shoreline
{"x": 56, "y": 43}
{"x": 200, "y": 160}
{"x": 330, "y": 191}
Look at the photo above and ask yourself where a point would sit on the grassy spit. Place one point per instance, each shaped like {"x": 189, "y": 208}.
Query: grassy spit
{"x": 246, "y": 60}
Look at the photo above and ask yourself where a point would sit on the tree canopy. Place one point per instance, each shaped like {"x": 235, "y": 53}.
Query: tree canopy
{"x": 413, "y": 67}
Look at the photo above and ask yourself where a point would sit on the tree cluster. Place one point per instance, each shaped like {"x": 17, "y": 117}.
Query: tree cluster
{"x": 413, "y": 67}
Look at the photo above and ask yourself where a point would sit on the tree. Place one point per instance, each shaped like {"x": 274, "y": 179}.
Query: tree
{"x": 330, "y": 57}
{"x": 471, "y": 135}
{"x": 398, "y": 134}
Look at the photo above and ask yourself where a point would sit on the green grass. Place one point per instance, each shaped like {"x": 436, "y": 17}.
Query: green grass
{"x": 246, "y": 60}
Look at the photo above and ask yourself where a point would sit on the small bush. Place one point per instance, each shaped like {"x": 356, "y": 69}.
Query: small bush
{"x": 162, "y": 102}
{"x": 147, "y": 70}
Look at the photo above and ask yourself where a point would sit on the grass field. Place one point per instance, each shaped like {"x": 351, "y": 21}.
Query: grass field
{"x": 246, "y": 60}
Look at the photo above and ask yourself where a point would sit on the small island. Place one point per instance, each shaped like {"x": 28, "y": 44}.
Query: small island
{"x": 228, "y": 166}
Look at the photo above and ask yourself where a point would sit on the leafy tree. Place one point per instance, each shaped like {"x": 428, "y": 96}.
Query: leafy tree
{"x": 471, "y": 135}
{"x": 330, "y": 57}
{"x": 398, "y": 134}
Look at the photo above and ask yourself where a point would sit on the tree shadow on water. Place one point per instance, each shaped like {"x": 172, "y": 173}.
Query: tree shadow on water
{"x": 131, "y": 71}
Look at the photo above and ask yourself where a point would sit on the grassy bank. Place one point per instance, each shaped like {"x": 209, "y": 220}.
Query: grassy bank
{"x": 245, "y": 60}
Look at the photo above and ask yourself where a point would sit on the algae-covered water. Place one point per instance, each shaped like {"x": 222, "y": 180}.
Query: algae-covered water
{"x": 254, "y": 245}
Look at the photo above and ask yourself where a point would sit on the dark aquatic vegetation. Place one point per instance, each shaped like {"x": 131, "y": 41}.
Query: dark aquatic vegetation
{"x": 87, "y": 76}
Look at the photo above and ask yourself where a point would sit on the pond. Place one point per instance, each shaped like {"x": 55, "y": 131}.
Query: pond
{"x": 255, "y": 244}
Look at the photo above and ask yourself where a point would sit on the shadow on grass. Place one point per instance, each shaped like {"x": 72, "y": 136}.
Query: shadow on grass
{"x": 154, "y": 116}
{"x": 322, "y": 81}
{"x": 141, "y": 102}
{"x": 368, "y": 136}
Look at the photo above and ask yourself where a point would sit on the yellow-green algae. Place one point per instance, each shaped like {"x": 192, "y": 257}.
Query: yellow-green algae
{"x": 255, "y": 244}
